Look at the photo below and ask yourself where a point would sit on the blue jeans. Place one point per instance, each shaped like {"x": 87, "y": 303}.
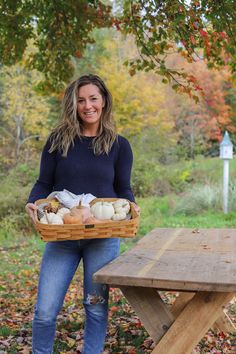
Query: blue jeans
{"x": 60, "y": 261}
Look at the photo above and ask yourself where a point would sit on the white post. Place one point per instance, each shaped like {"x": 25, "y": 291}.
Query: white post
{"x": 226, "y": 186}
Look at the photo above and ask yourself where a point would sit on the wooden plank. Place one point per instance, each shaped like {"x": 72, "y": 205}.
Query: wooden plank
{"x": 177, "y": 259}
{"x": 180, "y": 303}
{"x": 223, "y": 322}
{"x": 151, "y": 310}
{"x": 194, "y": 321}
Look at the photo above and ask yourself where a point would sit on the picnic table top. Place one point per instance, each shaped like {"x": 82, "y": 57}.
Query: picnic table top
{"x": 181, "y": 259}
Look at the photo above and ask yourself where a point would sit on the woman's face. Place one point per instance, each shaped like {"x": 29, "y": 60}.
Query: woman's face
{"x": 90, "y": 105}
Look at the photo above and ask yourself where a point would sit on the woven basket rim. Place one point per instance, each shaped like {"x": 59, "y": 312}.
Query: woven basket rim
{"x": 135, "y": 214}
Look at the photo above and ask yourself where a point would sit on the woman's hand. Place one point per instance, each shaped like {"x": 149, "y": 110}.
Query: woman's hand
{"x": 30, "y": 210}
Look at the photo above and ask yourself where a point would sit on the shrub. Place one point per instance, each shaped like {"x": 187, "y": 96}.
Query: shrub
{"x": 199, "y": 199}
{"x": 15, "y": 187}
{"x": 143, "y": 177}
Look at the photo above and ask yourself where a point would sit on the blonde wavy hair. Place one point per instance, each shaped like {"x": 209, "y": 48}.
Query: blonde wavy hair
{"x": 71, "y": 125}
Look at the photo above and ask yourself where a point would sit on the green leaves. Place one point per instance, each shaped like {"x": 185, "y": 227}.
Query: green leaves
{"x": 58, "y": 30}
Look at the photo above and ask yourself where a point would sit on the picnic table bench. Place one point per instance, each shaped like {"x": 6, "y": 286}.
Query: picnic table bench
{"x": 200, "y": 264}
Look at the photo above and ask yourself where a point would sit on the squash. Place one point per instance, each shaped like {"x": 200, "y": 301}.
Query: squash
{"x": 92, "y": 220}
{"x": 72, "y": 219}
{"x": 61, "y": 212}
{"x": 102, "y": 210}
{"x": 121, "y": 205}
{"x": 44, "y": 220}
{"x": 121, "y": 215}
{"x": 51, "y": 218}
{"x": 81, "y": 211}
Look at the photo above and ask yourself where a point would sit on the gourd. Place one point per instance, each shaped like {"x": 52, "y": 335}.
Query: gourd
{"x": 61, "y": 212}
{"x": 43, "y": 220}
{"x": 51, "y": 218}
{"x": 121, "y": 205}
{"x": 72, "y": 219}
{"x": 81, "y": 211}
{"x": 121, "y": 215}
{"x": 92, "y": 220}
{"x": 102, "y": 210}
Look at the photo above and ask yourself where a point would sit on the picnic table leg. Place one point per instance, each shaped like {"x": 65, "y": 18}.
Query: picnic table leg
{"x": 223, "y": 322}
{"x": 192, "y": 323}
{"x": 150, "y": 308}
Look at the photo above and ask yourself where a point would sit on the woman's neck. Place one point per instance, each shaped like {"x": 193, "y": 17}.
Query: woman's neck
{"x": 89, "y": 132}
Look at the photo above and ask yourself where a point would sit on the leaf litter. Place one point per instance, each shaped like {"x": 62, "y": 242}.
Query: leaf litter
{"x": 125, "y": 335}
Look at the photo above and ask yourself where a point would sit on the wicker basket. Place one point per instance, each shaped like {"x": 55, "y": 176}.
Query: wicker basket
{"x": 124, "y": 228}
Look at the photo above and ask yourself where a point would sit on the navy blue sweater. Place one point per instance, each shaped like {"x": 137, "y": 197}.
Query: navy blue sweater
{"x": 105, "y": 176}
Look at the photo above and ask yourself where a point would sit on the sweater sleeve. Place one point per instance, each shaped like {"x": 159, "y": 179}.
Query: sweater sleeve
{"x": 44, "y": 184}
{"x": 123, "y": 169}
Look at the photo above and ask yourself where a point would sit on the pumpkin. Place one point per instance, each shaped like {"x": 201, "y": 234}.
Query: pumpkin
{"x": 72, "y": 219}
{"x": 44, "y": 220}
{"x": 61, "y": 212}
{"x": 121, "y": 215}
{"x": 51, "y": 218}
{"x": 92, "y": 220}
{"x": 102, "y": 210}
{"x": 81, "y": 211}
{"x": 121, "y": 205}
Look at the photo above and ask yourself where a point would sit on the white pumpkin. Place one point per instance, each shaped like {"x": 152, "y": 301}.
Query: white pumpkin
{"x": 119, "y": 216}
{"x": 44, "y": 220}
{"x": 61, "y": 212}
{"x": 121, "y": 205}
{"x": 51, "y": 218}
{"x": 102, "y": 210}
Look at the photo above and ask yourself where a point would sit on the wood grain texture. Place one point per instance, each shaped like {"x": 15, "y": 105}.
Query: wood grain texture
{"x": 180, "y": 303}
{"x": 223, "y": 322}
{"x": 177, "y": 259}
{"x": 151, "y": 310}
{"x": 193, "y": 322}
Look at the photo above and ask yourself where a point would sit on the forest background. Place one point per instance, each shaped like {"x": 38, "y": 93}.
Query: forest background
{"x": 174, "y": 131}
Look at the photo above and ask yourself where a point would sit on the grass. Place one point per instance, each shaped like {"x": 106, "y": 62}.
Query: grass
{"x": 158, "y": 212}
{"x": 22, "y": 255}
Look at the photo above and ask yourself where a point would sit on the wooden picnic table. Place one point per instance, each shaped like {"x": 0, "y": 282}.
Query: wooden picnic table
{"x": 200, "y": 264}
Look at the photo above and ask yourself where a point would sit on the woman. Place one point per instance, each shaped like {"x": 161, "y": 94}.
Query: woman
{"x": 83, "y": 155}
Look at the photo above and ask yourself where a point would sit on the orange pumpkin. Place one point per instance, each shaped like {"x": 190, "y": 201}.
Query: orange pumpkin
{"x": 93, "y": 220}
{"x": 72, "y": 219}
{"x": 82, "y": 211}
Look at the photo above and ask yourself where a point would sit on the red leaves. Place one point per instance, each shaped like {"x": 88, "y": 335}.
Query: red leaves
{"x": 203, "y": 33}
{"x": 126, "y": 333}
{"x": 117, "y": 24}
{"x": 223, "y": 35}
{"x": 78, "y": 54}
{"x": 193, "y": 40}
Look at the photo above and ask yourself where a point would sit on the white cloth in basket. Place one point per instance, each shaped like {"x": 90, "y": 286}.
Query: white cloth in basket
{"x": 69, "y": 200}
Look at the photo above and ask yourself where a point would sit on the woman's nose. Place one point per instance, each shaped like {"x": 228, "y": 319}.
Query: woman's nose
{"x": 87, "y": 104}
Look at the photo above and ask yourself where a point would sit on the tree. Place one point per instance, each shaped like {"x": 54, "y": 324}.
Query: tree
{"x": 202, "y": 125}
{"x": 195, "y": 29}
{"x": 59, "y": 30}
{"x": 138, "y": 101}
{"x": 24, "y": 114}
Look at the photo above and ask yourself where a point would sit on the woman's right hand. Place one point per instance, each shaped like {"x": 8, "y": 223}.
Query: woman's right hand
{"x": 30, "y": 210}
